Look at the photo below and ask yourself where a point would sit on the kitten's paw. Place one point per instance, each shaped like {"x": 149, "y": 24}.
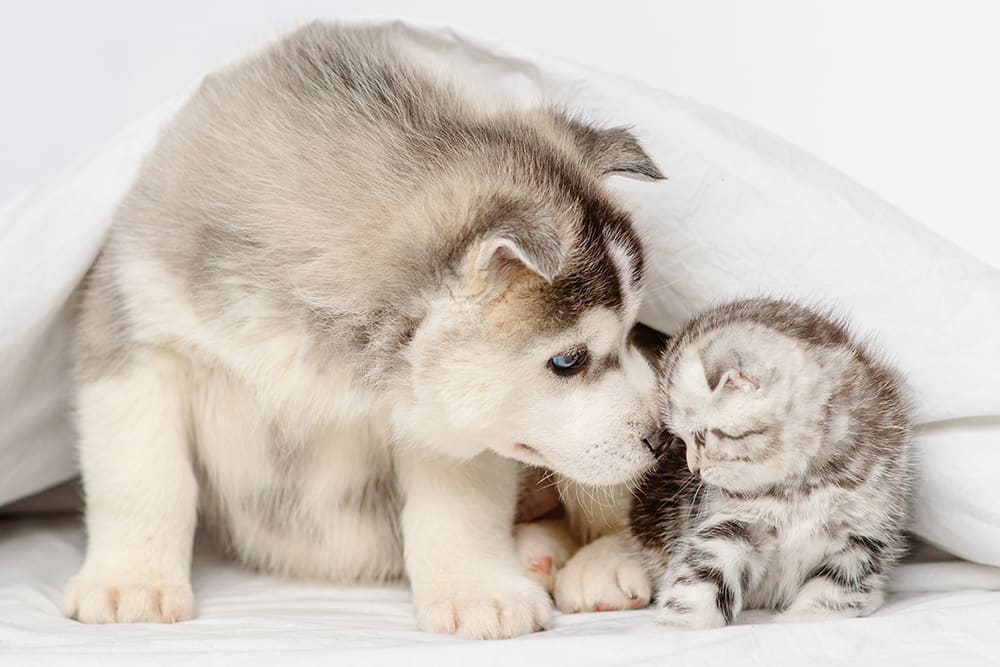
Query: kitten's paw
{"x": 543, "y": 547}
{"x": 822, "y": 599}
{"x": 108, "y": 599}
{"x": 499, "y": 609}
{"x": 602, "y": 576}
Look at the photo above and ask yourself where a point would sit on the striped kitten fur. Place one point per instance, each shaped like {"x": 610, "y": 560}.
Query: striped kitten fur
{"x": 794, "y": 496}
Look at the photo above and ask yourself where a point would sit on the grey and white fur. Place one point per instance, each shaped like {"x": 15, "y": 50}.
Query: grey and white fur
{"x": 795, "y": 492}
{"x": 327, "y": 320}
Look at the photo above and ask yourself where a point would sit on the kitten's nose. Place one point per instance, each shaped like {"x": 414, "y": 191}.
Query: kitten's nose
{"x": 657, "y": 441}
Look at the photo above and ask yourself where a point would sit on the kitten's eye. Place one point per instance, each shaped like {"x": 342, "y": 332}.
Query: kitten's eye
{"x": 568, "y": 363}
{"x": 699, "y": 438}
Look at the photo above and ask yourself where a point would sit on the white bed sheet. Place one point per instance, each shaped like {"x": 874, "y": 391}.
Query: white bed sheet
{"x": 246, "y": 619}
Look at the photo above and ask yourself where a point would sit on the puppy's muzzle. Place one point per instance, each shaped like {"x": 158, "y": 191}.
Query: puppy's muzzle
{"x": 658, "y": 441}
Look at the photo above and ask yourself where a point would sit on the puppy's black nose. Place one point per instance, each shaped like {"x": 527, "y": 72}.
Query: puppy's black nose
{"x": 657, "y": 441}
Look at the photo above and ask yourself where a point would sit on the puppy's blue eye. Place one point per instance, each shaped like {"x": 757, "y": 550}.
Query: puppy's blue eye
{"x": 565, "y": 361}
{"x": 568, "y": 363}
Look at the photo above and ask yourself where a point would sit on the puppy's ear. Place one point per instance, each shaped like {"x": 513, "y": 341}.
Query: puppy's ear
{"x": 613, "y": 151}
{"x": 506, "y": 249}
{"x": 535, "y": 247}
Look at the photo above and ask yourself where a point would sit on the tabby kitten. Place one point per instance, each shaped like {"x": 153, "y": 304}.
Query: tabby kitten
{"x": 797, "y": 440}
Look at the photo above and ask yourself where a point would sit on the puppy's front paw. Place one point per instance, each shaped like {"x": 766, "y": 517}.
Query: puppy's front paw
{"x": 543, "y": 547}
{"x": 495, "y": 609}
{"x": 602, "y": 576}
{"x": 108, "y": 599}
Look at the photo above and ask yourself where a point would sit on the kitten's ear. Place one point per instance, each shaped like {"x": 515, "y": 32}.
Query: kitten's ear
{"x": 734, "y": 379}
{"x": 726, "y": 369}
{"x": 613, "y": 151}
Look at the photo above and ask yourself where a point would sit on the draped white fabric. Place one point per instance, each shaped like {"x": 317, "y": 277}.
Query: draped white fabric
{"x": 742, "y": 212}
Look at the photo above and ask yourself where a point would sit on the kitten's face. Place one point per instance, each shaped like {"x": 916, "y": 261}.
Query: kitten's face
{"x": 733, "y": 413}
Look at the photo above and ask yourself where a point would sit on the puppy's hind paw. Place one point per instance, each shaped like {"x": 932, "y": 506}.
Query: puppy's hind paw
{"x": 543, "y": 547}
{"x": 602, "y": 576}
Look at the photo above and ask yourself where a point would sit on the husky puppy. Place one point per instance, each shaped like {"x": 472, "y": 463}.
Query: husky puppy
{"x": 338, "y": 309}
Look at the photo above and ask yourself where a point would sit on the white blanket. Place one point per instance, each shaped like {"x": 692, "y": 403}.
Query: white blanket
{"x": 248, "y": 620}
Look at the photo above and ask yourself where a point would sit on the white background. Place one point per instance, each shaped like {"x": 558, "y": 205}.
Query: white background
{"x": 903, "y": 96}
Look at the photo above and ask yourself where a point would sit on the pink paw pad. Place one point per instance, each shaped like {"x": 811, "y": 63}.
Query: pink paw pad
{"x": 542, "y": 565}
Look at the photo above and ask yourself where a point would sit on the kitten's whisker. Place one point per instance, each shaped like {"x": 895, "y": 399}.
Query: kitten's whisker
{"x": 681, "y": 490}
{"x": 693, "y": 507}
